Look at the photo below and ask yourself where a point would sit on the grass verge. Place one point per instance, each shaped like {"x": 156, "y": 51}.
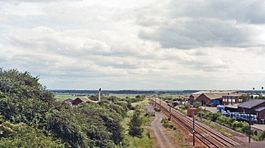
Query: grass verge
{"x": 135, "y": 142}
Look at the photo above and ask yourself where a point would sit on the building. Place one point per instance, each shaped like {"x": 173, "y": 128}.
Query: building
{"x": 80, "y": 100}
{"x": 251, "y": 105}
{"x": 254, "y": 106}
{"x": 68, "y": 101}
{"x": 233, "y": 98}
{"x": 210, "y": 98}
{"x": 193, "y": 97}
{"x": 260, "y": 114}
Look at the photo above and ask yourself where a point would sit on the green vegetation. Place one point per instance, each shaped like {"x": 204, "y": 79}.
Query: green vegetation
{"x": 30, "y": 116}
{"x": 134, "y": 141}
{"x": 63, "y": 97}
{"x": 176, "y": 133}
{"x": 15, "y": 135}
{"x": 240, "y": 126}
{"x": 135, "y": 128}
{"x": 168, "y": 124}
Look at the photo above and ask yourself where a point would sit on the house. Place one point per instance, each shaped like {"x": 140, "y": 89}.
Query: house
{"x": 233, "y": 98}
{"x": 79, "y": 100}
{"x": 68, "y": 101}
{"x": 254, "y": 106}
{"x": 251, "y": 105}
{"x": 193, "y": 97}
{"x": 212, "y": 97}
{"x": 260, "y": 114}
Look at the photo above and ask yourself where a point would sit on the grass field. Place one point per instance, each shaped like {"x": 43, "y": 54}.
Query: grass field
{"x": 63, "y": 97}
{"x": 124, "y": 95}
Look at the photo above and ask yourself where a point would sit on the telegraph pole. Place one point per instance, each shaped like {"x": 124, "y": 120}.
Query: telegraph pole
{"x": 249, "y": 130}
{"x": 155, "y": 101}
{"x": 170, "y": 113}
{"x": 193, "y": 129}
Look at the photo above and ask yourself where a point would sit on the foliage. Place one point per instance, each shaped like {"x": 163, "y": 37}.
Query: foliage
{"x": 23, "y": 86}
{"x": 135, "y": 128}
{"x": 28, "y": 110}
{"x": 240, "y": 126}
{"x": 23, "y": 98}
{"x": 167, "y": 124}
{"x": 25, "y": 136}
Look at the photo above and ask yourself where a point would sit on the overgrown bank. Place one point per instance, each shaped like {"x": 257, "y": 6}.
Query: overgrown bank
{"x": 31, "y": 117}
{"x": 135, "y": 124}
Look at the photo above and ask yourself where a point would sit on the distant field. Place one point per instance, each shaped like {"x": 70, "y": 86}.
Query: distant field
{"x": 124, "y": 95}
{"x": 62, "y": 97}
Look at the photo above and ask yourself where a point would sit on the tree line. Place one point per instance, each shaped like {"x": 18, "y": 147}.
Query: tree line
{"x": 31, "y": 117}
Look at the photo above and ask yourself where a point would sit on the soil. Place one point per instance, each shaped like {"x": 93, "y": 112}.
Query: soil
{"x": 163, "y": 138}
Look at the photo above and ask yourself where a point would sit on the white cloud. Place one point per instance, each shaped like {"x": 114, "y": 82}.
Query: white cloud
{"x": 125, "y": 44}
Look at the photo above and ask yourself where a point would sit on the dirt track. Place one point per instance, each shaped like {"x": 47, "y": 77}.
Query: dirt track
{"x": 160, "y": 136}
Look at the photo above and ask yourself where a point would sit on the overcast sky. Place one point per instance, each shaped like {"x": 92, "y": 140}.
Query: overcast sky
{"x": 136, "y": 44}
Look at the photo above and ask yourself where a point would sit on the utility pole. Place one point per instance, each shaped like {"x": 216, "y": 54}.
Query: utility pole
{"x": 155, "y": 101}
{"x": 253, "y": 93}
{"x": 249, "y": 130}
{"x": 193, "y": 129}
{"x": 261, "y": 94}
{"x": 170, "y": 113}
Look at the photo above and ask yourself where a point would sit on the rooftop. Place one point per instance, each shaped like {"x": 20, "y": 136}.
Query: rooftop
{"x": 251, "y": 103}
{"x": 83, "y": 98}
{"x": 260, "y": 109}
{"x": 216, "y": 94}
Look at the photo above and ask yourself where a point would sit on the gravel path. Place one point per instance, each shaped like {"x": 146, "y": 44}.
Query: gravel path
{"x": 159, "y": 133}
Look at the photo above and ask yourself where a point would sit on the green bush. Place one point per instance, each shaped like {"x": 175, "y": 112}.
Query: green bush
{"x": 26, "y": 104}
{"x": 215, "y": 116}
{"x": 245, "y": 127}
{"x": 167, "y": 124}
{"x": 15, "y": 135}
{"x": 261, "y": 136}
{"x": 135, "y": 128}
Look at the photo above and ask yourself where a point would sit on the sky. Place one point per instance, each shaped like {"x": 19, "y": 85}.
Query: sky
{"x": 136, "y": 44}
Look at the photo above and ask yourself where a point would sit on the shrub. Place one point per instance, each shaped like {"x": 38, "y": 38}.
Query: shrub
{"x": 168, "y": 124}
{"x": 135, "y": 128}
{"x": 261, "y": 136}
{"x": 245, "y": 127}
{"x": 214, "y": 117}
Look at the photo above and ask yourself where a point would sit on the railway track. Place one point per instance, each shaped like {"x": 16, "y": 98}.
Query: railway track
{"x": 206, "y": 135}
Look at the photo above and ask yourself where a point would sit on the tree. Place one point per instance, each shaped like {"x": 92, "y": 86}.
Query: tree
{"x": 22, "y": 135}
{"x": 135, "y": 128}
{"x": 27, "y": 105}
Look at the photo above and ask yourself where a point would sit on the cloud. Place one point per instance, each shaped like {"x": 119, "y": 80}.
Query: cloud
{"x": 126, "y": 44}
{"x": 240, "y": 11}
{"x": 35, "y": 1}
{"x": 196, "y": 33}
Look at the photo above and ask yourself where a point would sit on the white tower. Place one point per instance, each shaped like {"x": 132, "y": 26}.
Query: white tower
{"x": 99, "y": 93}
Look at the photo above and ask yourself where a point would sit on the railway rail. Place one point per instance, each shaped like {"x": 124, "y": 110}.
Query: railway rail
{"x": 206, "y": 135}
